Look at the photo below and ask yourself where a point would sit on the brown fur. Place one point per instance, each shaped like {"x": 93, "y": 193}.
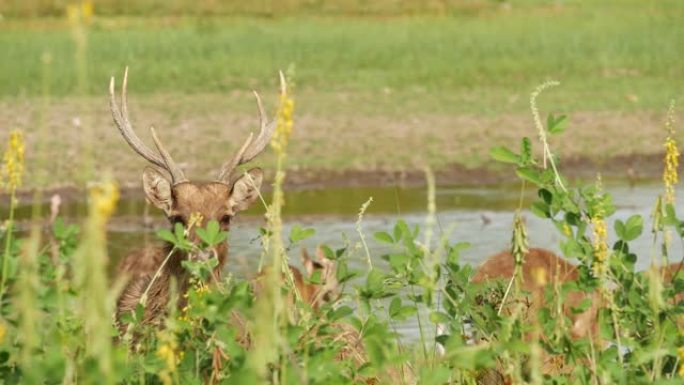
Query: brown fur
{"x": 556, "y": 269}
{"x": 670, "y": 272}
{"x": 312, "y": 294}
{"x": 213, "y": 202}
{"x": 502, "y": 265}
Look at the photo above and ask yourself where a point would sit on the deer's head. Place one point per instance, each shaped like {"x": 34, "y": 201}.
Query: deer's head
{"x": 220, "y": 200}
{"x": 328, "y": 288}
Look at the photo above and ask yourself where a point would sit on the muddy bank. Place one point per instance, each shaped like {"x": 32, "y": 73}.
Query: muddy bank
{"x": 632, "y": 168}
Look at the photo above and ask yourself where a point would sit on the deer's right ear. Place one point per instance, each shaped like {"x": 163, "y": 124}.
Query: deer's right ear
{"x": 246, "y": 190}
{"x": 157, "y": 189}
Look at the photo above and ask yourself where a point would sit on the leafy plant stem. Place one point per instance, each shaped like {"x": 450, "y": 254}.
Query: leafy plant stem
{"x": 8, "y": 242}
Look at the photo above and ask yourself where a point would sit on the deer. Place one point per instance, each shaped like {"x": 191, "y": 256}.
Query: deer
{"x": 221, "y": 200}
{"x": 179, "y": 199}
{"x": 502, "y": 266}
{"x": 558, "y": 271}
{"x": 312, "y": 294}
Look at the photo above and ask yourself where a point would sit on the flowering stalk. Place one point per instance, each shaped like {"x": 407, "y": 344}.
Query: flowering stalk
{"x": 11, "y": 173}
{"x": 670, "y": 176}
{"x": 269, "y": 307}
{"x": 601, "y": 263}
{"x": 90, "y": 276}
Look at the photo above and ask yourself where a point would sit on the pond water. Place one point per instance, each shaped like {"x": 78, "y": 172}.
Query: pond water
{"x": 481, "y": 216}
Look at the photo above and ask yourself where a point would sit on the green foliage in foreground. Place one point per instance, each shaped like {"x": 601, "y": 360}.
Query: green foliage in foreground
{"x": 56, "y": 324}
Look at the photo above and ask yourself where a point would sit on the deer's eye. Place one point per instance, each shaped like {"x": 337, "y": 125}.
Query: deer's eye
{"x": 177, "y": 219}
{"x": 226, "y": 219}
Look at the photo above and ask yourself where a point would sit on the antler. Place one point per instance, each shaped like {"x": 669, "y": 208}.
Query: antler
{"x": 252, "y": 147}
{"x": 123, "y": 123}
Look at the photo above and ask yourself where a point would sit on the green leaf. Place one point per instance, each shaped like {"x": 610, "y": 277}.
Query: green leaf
{"x": 630, "y": 230}
{"x": 556, "y": 125}
{"x": 434, "y": 375}
{"x": 529, "y": 174}
{"x": 394, "y": 307}
{"x": 375, "y": 281}
{"x": 167, "y": 236}
{"x": 212, "y": 234}
{"x": 399, "y": 312}
{"x": 525, "y": 152}
{"x": 545, "y": 195}
{"x": 398, "y": 261}
{"x": 439, "y": 317}
{"x": 383, "y": 237}
{"x": 540, "y": 209}
{"x": 400, "y": 229}
{"x": 298, "y": 234}
{"x": 179, "y": 231}
{"x": 502, "y": 154}
{"x": 213, "y": 227}
{"x": 340, "y": 312}
{"x": 328, "y": 252}
{"x": 670, "y": 216}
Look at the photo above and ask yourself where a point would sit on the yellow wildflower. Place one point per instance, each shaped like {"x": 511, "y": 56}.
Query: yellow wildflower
{"x": 681, "y": 359}
{"x": 600, "y": 235}
{"x": 195, "y": 220}
{"x": 567, "y": 230}
{"x": 201, "y": 288}
{"x": 103, "y": 199}
{"x": 671, "y": 157}
{"x": 82, "y": 12}
{"x": 167, "y": 352}
{"x": 284, "y": 118}
{"x": 87, "y": 10}
{"x": 13, "y": 161}
{"x": 600, "y": 246}
{"x": 3, "y": 331}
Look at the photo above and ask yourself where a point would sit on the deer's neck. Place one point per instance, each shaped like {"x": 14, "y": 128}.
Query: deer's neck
{"x": 158, "y": 287}
{"x": 174, "y": 271}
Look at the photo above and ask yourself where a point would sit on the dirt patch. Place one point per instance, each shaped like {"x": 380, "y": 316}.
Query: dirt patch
{"x": 74, "y": 141}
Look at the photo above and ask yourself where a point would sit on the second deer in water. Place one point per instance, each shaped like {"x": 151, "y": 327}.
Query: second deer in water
{"x": 313, "y": 294}
{"x": 557, "y": 270}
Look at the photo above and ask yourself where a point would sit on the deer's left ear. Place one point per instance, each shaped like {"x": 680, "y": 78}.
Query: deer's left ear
{"x": 246, "y": 190}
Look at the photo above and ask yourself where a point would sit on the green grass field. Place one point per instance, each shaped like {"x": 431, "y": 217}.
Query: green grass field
{"x": 612, "y": 51}
{"x": 428, "y": 80}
